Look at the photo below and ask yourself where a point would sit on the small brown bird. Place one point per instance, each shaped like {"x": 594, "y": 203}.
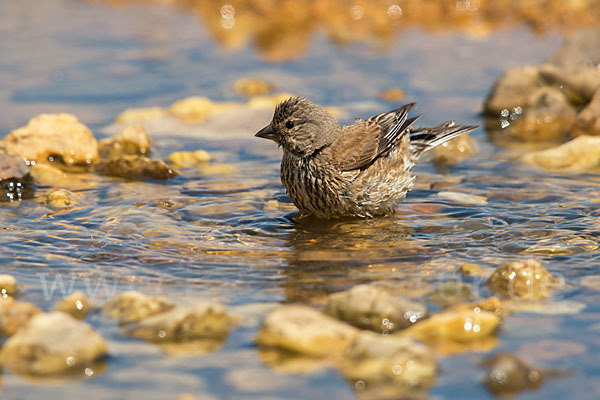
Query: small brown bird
{"x": 361, "y": 170}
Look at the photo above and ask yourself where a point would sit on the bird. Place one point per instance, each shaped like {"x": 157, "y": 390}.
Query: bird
{"x": 361, "y": 170}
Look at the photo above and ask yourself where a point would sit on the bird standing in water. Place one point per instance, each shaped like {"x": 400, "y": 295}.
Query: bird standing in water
{"x": 361, "y": 170}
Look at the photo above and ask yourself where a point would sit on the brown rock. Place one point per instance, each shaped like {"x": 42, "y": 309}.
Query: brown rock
{"x": 186, "y": 159}
{"x": 528, "y": 280}
{"x": 52, "y": 343}
{"x": 14, "y": 315}
{"x": 304, "y": 330}
{"x": 194, "y": 110}
{"x": 76, "y": 304}
{"x": 132, "y": 140}
{"x": 129, "y": 307}
{"x": 202, "y": 321}
{"x": 547, "y": 115}
{"x": 58, "y": 136}
{"x": 582, "y": 47}
{"x": 374, "y": 308}
{"x": 588, "y": 120}
{"x": 507, "y": 375}
{"x": 135, "y": 168}
{"x": 512, "y": 89}
{"x": 16, "y": 183}
{"x": 578, "y": 83}
{"x": 137, "y": 115}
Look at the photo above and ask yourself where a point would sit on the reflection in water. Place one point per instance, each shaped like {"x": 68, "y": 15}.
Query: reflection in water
{"x": 282, "y": 30}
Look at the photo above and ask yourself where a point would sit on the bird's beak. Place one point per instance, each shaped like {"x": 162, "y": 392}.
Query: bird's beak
{"x": 268, "y": 133}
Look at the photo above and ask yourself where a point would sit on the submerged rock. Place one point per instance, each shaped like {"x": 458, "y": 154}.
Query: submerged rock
{"x": 52, "y": 343}
{"x": 16, "y": 183}
{"x": 132, "y": 140}
{"x": 474, "y": 270}
{"x": 374, "y": 358}
{"x": 526, "y": 280}
{"x": 578, "y": 155}
{"x": 507, "y": 375}
{"x": 450, "y": 293}
{"x": 304, "y": 330}
{"x": 8, "y": 286}
{"x": 588, "y": 120}
{"x": 454, "y": 151}
{"x": 458, "y": 324}
{"x": 58, "y": 137}
{"x": 59, "y": 198}
{"x": 129, "y": 307}
{"x": 14, "y": 315}
{"x": 135, "y": 168}
{"x": 186, "y": 159}
{"x": 374, "y": 308}
{"x": 202, "y": 321}
{"x": 76, "y": 304}
{"x": 251, "y": 87}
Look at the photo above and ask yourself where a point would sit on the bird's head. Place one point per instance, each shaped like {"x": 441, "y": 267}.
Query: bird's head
{"x": 300, "y": 127}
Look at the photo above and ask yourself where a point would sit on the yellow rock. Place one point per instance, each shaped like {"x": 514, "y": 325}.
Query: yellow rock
{"x": 392, "y": 95}
{"x": 136, "y": 115}
{"x": 475, "y": 271}
{"x": 375, "y": 358}
{"x": 131, "y": 140}
{"x": 525, "y": 280}
{"x": 304, "y": 330}
{"x": 251, "y": 87}
{"x": 193, "y": 110}
{"x": 455, "y": 325}
{"x": 218, "y": 169}
{"x": 578, "y": 155}
{"x": 268, "y": 101}
{"x": 53, "y": 135}
{"x": 14, "y": 315}
{"x": 186, "y": 159}
{"x": 8, "y": 286}
{"x": 132, "y": 306}
{"x": 59, "y": 198}
{"x": 454, "y": 151}
{"x": 53, "y": 343}
{"x": 76, "y": 304}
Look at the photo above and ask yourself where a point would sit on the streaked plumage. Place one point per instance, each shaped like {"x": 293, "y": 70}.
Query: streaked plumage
{"x": 360, "y": 170}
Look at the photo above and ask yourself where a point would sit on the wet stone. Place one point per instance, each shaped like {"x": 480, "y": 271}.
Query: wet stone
{"x": 76, "y": 304}
{"x": 578, "y": 155}
{"x": 53, "y": 136}
{"x": 186, "y": 159}
{"x": 374, "y": 308}
{"x": 132, "y": 140}
{"x": 135, "y": 168}
{"x": 462, "y": 325}
{"x": 137, "y": 115}
{"x": 588, "y": 120}
{"x": 462, "y": 198}
{"x": 202, "y": 321}
{"x": 8, "y": 286}
{"x": 304, "y": 330}
{"x": 374, "y": 358}
{"x": 512, "y": 90}
{"x": 194, "y": 110}
{"x": 14, "y": 315}
{"x": 454, "y": 151}
{"x": 526, "y": 280}
{"x": 474, "y": 270}
{"x": 16, "y": 183}
{"x": 129, "y": 307}
{"x": 507, "y": 375}
{"x": 392, "y": 95}
{"x": 53, "y": 343}
{"x": 59, "y": 198}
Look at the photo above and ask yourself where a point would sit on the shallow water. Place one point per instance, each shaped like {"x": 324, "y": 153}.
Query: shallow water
{"x": 231, "y": 234}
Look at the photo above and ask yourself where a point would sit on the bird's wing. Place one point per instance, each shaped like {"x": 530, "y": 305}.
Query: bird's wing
{"x": 359, "y": 145}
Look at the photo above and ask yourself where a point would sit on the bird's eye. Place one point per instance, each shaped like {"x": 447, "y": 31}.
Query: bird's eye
{"x": 289, "y": 124}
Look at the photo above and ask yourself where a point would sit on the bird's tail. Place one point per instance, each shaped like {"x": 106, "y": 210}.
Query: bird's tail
{"x": 425, "y": 139}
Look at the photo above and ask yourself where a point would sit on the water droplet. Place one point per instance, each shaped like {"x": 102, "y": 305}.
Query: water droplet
{"x": 88, "y": 372}
{"x": 357, "y": 12}
{"x": 359, "y": 385}
{"x": 394, "y": 11}
{"x": 504, "y": 113}
{"x": 70, "y": 361}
